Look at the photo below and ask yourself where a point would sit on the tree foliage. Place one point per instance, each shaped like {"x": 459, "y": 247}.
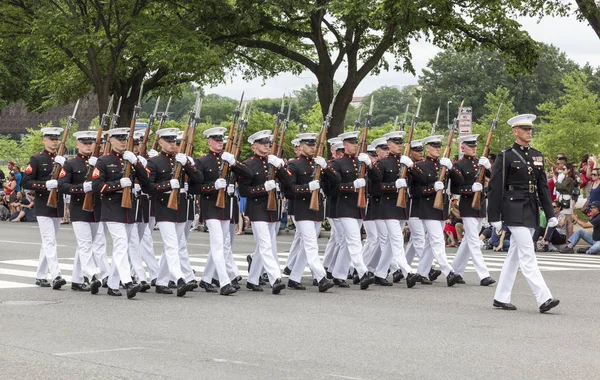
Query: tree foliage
{"x": 503, "y": 134}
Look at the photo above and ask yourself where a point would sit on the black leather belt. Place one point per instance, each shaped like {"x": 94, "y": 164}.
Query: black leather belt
{"x": 529, "y": 188}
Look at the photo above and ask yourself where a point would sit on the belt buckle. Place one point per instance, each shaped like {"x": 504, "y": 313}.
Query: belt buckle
{"x": 531, "y": 189}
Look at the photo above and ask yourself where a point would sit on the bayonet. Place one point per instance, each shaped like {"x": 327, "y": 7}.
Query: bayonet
{"x": 418, "y": 108}
{"x": 115, "y": 117}
{"x": 404, "y": 120}
{"x": 395, "y": 122}
{"x": 495, "y": 121}
{"x": 434, "y": 126}
{"x": 72, "y": 118}
{"x": 156, "y": 107}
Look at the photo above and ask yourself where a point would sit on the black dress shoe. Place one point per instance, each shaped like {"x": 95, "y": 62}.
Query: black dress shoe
{"x": 235, "y": 284}
{"x": 132, "y": 289}
{"x": 487, "y": 281}
{"x": 153, "y": 282}
{"x": 278, "y": 286}
{"x": 355, "y": 278}
{"x": 249, "y": 260}
{"x": 329, "y": 275}
{"x": 209, "y": 288}
{"x": 546, "y": 306}
{"x": 227, "y": 290}
{"x": 350, "y": 276}
{"x": 172, "y": 285}
{"x": 80, "y": 287}
{"x": 425, "y": 280}
{"x": 397, "y": 276}
{"x": 105, "y": 282}
{"x": 194, "y": 284}
{"x": 340, "y": 283}
{"x": 504, "y": 306}
{"x": 95, "y": 286}
{"x": 451, "y": 279}
{"x": 114, "y": 292}
{"x": 42, "y": 283}
{"x": 411, "y": 279}
{"x": 366, "y": 280}
{"x": 262, "y": 282}
{"x": 254, "y": 288}
{"x": 183, "y": 287}
{"x": 295, "y": 285}
{"x": 58, "y": 282}
{"x": 216, "y": 282}
{"x": 459, "y": 279}
{"x": 382, "y": 281}
{"x": 434, "y": 274}
{"x": 265, "y": 277}
{"x": 315, "y": 282}
{"x": 238, "y": 278}
{"x": 287, "y": 271}
{"x": 324, "y": 284}
{"x": 144, "y": 286}
{"x": 161, "y": 289}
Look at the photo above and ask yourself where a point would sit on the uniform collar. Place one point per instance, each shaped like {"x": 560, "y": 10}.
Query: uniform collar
{"x": 431, "y": 159}
{"x": 524, "y": 148}
{"x": 396, "y": 156}
{"x": 49, "y": 154}
{"x": 168, "y": 155}
{"x": 256, "y": 156}
{"x": 217, "y": 155}
{"x": 468, "y": 157}
{"x": 82, "y": 156}
{"x": 304, "y": 157}
{"x": 119, "y": 155}
{"x": 350, "y": 156}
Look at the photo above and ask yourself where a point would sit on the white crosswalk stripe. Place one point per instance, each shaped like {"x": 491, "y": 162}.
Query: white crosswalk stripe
{"x": 21, "y": 273}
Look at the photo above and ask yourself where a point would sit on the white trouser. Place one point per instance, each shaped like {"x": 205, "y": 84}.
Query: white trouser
{"x": 416, "y": 244}
{"x": 232, "y": 268}
{"x": 295, "y": 248}
{"x": 49, "y": 250}
{"x": 370, "y": 250}
{"x": 521, "y": 253}
{"x": 333, "y": 244}
{"x": 382, "y": 238}
{"x": 119, "y": 267}
{"x": 135, "y": 252}
{"x": 352, "y": 250}
{"x": 83, "y": 265}
{"x": 435, "y": 237}
{"x": 219, "y": 234}
{"x": 394, "y": 249}
{"x": 470, "y": 248}
{"x": 184, "y": 255}
{"x": 265, "y": 236}
{"x": 99, "y": 250}
{"x": 169, "y": 267}
{"x": 147, "y": 249}
{"x": 308, "y": 232}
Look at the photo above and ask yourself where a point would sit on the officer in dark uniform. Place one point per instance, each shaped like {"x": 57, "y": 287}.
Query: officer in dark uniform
{"x": 295, "y": 248}
{"x": 376, "y": 235}
{"x": 330, "y": 189}
{"x": 517, "y": 185}
{"x": 307, "y": 221}
{"x": 426, "y": 185}
{"x": 265, "y": 223}
{"x": 38, "y": 177}
{"x": 469, "y": 167}
{"x": 73, "y": 181}
{"x": 109, "y": 181}
{"x": 171, "y": 223}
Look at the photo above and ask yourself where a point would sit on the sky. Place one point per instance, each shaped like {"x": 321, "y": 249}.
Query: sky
{"x": 575, "y": 38}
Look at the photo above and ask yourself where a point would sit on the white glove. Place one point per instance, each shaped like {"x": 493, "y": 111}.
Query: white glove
{"x": 186, "y": 187}
{"x": 477, "y": 186}
{"x": 230, "y": 158}
{"x": 277, "y": 188}
{"x": 560, "y": 178}
{"x": 152, "y": 153}
{"x": 438, "y": 185}
{"x": 174, "y": 183}
{"x": 230, "y": 189}
{"x": 321, "y": 162}
{"x": 130, "y": 156}
{"x": 191, "y": 160}
{"x": 143, "y": 161}
{"x": 446, "y": 162}
{"x": 137, "y": 188}
{"x": 92, "y": 161}
{"x": 125, "y": 182}
{"x": 275, "y": 161}
{"x": 483, "y": 161}
{"x": 359, "y": 182}
{"x": 497, "y": 225}
{"x": 270, "y": 185}
{"x": 552, "y": 222}
{"x": 59, "y": 160}
{"x": 87, "y": 186}
{"x": 363, "y": 157}
{"x": 181, "y": 158}
{"x": 220, "y": 183}
{"x": 51, "y": 184}
{"x": 314, "y": 185}
{"x": 406, "y": 161}
{"x": 400, "y": 182}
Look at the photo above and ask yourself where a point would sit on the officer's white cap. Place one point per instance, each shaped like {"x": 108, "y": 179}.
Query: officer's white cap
{"x": 51, "y": 131}
{"x": 371, "y": 148}
{"x": 138, "y": 135}
{"x": 436, "y": 139}
{"x": 296, "y": 143}
{"x": 379, "y": 141}
{"x": 349, "y": 135}
{"x": 334, "y": 140}
{"x": 85, "y": 135}
{"x": 261, "y": 136}
{"x": 338, "y": 146}
{"x": 169, "y": 134}
{"x": 118, "y": 132}
{"x": 179, "y": 135}
{"x": 525, "y": 120}
{"x": 416, "y": 144}
{"x": 468, "y": 139}
{"x": 395, "y": 135}
{"x": 302, "y": 137}
{"x": 215, "y": 133}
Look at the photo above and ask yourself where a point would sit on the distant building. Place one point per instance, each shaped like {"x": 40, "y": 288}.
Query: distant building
{"x": 357, "y": 101}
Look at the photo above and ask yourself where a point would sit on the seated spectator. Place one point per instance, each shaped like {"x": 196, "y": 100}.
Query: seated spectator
{"x": 592, "y": 238}
{"x": 555, "y": 235}
{"x": 14, "y": 169}
{"x": 500, "y": 240}
{"x": 27, "y": 211}
{"x": 453, "y": 227}
{"x": 594, "y": 191}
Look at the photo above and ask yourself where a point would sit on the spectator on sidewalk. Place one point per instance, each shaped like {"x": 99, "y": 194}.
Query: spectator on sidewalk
{"x": 586, "y": 166}
{"x": 566, "y": 182}
{"x": 555, "y": 235}
{"x": 592, "y": 238}
{"x": 14, "y": 169}
{"x": 26, "y": 212}
{"x": 594, "y": 194}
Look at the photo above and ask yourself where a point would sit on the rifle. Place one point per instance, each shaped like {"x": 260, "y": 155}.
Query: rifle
{"x": 314, "y": 197}
{"x": 53, "y": 196}
{"x": 190, "y": 128}
{"x": 113, "y": 122}
{"x": 272, "y": 196}
{"x": 404, "y": 120}
{"x": 163, "y": 118}
{"x": 401, "y": 201}
{"x": 225, "y": 166}
{"x": 435, "y": 125}
{"x": 88, "y": 200}
{"x": 126, "y": 200}
{"x": 362, "y": 197}
{"x": 357, "y": 123}
{"x": 439, "y": 196}
{"x": 476, "y": 204}
{"x": 144, "y": 142}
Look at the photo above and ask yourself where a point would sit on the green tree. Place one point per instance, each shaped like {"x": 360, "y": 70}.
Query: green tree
{"x": 570, "y": 125}
{"x": 503, "y": 134}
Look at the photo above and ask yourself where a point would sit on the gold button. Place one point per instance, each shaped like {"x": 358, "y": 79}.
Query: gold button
{"x": 511, "y": 199}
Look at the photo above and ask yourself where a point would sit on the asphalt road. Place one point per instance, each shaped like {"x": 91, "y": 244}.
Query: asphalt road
{"x": 432, "y": 332}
